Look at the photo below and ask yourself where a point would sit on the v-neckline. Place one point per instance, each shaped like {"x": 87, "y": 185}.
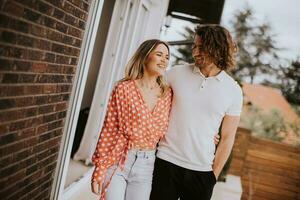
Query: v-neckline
{"x": 138, "y": 90}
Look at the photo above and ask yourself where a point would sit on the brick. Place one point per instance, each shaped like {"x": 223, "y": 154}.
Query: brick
{"x": 39, "y": 67}
{"x": 7, "y": 138}
{"x": 32, "y": 16}
{"x": 25, "y": 101}
{"x": 58, "y": 14}
{"x": 44, "y": 8}
{"x": 31, "y": 169}
{"x": 49, "y": 89}
{"x": 54, "y": 125}
{"x": 38, "y": 31}
{"x": 45, "y": 109}
{"x": 16, "y": 177}
{"x": 80, "y": 14}
{"x": 7, "y": 103}
{"x": 7, "y": 36}
{"x": 17, "y": 125}
{"x": 4, "y": 22}
{"x": 27, "y": 78}
{"x": 74, "y": 32}
{"x": 12, "y": 52}
{"x": 21, "y": 65}
{"x": 61, "y": 27}
{"x": 62, "y": 115}
{"x": 65, "y": 97}
{"x": 58, "y": 48}
{"x": 19, "y": 25}
{"x": 3, "y": 128}
{"x": 25, "y": 41}
{"x": 49, "y": 118}
{"x": 14, "y": 9}
{"x": 69, "y": 70}
{"x": 63, "y": 59}
{"x": 10, "y": 78}
{"x": 56, "y": 3}
{"x": 71, "y": 20}
{"x": 5, "y": 64}
{"x": 49, "y": 22}
{"x": 42, "y": 44}
{"x": 74, "y": 61}
{"x": 81, "y": 25}
{"x": 49, "y": 57}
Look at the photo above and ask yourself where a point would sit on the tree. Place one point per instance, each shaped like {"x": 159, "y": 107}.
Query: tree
{"x": 256, "y": 47}
{"x": 185, "y": 51}
{"x": 290, "y": 82}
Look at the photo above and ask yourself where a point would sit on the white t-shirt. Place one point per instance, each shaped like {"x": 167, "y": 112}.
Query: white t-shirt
{"x": 199, "y": 105}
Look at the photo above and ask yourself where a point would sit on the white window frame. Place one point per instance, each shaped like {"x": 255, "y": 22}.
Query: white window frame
{"x": 75, "y": 99}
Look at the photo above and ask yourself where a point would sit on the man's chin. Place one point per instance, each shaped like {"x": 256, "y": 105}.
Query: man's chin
{"x": 198, "y": 64}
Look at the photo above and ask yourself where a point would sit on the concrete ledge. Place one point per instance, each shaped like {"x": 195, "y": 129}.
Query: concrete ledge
{"x": 229, "y": 190}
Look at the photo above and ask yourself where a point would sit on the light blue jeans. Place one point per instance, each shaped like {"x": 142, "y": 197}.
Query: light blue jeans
{"x": 134, "y": 182}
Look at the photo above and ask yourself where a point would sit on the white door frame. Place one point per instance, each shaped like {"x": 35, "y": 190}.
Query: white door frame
{"x": 112, "y": 67}
{"x": 76, "y": 98}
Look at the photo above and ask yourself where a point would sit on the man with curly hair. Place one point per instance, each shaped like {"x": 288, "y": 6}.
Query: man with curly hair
{"x": 206, "y": 99}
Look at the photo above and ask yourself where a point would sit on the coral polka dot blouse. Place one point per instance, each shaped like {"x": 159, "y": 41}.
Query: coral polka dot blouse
{"x": 129, "y": 123}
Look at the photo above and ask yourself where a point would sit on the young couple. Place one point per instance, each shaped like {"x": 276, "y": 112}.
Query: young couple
{"x": 158, "y": 138}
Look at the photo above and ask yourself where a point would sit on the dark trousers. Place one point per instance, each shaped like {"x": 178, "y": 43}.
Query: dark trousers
{"x": 171, "y": 182}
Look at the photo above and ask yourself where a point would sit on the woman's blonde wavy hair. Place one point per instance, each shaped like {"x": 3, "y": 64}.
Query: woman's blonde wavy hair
{"x": 136, "y": 65}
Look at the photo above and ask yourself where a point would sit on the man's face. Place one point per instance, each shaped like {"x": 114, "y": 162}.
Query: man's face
{"x": 200, "y": 57}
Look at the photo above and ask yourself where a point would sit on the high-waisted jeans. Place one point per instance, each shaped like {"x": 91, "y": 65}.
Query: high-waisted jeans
{"x": 135, "y": 181}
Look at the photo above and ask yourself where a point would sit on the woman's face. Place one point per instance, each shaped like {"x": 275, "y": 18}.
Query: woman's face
{"x": 157, "y": 61}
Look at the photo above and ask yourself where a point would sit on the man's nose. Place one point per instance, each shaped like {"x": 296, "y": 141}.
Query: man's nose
{"x": 195, "y": 51}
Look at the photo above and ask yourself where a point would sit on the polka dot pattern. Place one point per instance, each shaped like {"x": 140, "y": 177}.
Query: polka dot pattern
{"x": 129, "y": 123}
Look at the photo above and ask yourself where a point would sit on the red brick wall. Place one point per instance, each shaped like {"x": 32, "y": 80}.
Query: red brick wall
{"x": 40, "y": 43}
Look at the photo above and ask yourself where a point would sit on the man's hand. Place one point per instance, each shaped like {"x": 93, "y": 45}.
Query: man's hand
{"x": 96, "y": 188}
{"x": 217, "y": 139}
{"x": 216, "y": 175}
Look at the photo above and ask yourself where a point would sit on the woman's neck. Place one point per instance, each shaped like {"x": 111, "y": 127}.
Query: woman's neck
{"x": 148, "y": 81}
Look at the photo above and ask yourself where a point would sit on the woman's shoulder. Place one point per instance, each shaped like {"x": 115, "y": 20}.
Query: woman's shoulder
{"x": 168, "y": 93}
{"x": 124, "y": 84}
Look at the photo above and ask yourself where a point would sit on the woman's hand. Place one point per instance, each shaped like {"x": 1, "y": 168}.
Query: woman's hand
{"x": 96, "y": 188}
{"x": 217, "y": 139}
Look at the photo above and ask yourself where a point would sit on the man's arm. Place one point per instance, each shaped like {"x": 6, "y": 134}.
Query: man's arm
{"x": 228, "y": 131}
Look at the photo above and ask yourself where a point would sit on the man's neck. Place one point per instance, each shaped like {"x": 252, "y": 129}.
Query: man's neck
{"x": 210, "y": 70}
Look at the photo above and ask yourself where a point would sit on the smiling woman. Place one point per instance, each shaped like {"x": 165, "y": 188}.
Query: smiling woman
{"x": 137, "y": 118}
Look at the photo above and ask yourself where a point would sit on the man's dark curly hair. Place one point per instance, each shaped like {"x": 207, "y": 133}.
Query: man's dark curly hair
{"x": 218, "y": 44}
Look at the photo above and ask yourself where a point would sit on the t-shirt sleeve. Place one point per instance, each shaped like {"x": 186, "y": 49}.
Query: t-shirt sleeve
{"x": 235, "y": 108}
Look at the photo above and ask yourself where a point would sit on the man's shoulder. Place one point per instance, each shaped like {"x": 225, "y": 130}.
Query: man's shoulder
{"x": 180, "y": 68}
{"x": 232, "y": 83}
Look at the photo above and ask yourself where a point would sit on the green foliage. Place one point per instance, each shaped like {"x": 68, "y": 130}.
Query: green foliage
{"x": 268, "y": 125}
{"x": 290, "y": 82}
{"x": 185, "y": 51}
